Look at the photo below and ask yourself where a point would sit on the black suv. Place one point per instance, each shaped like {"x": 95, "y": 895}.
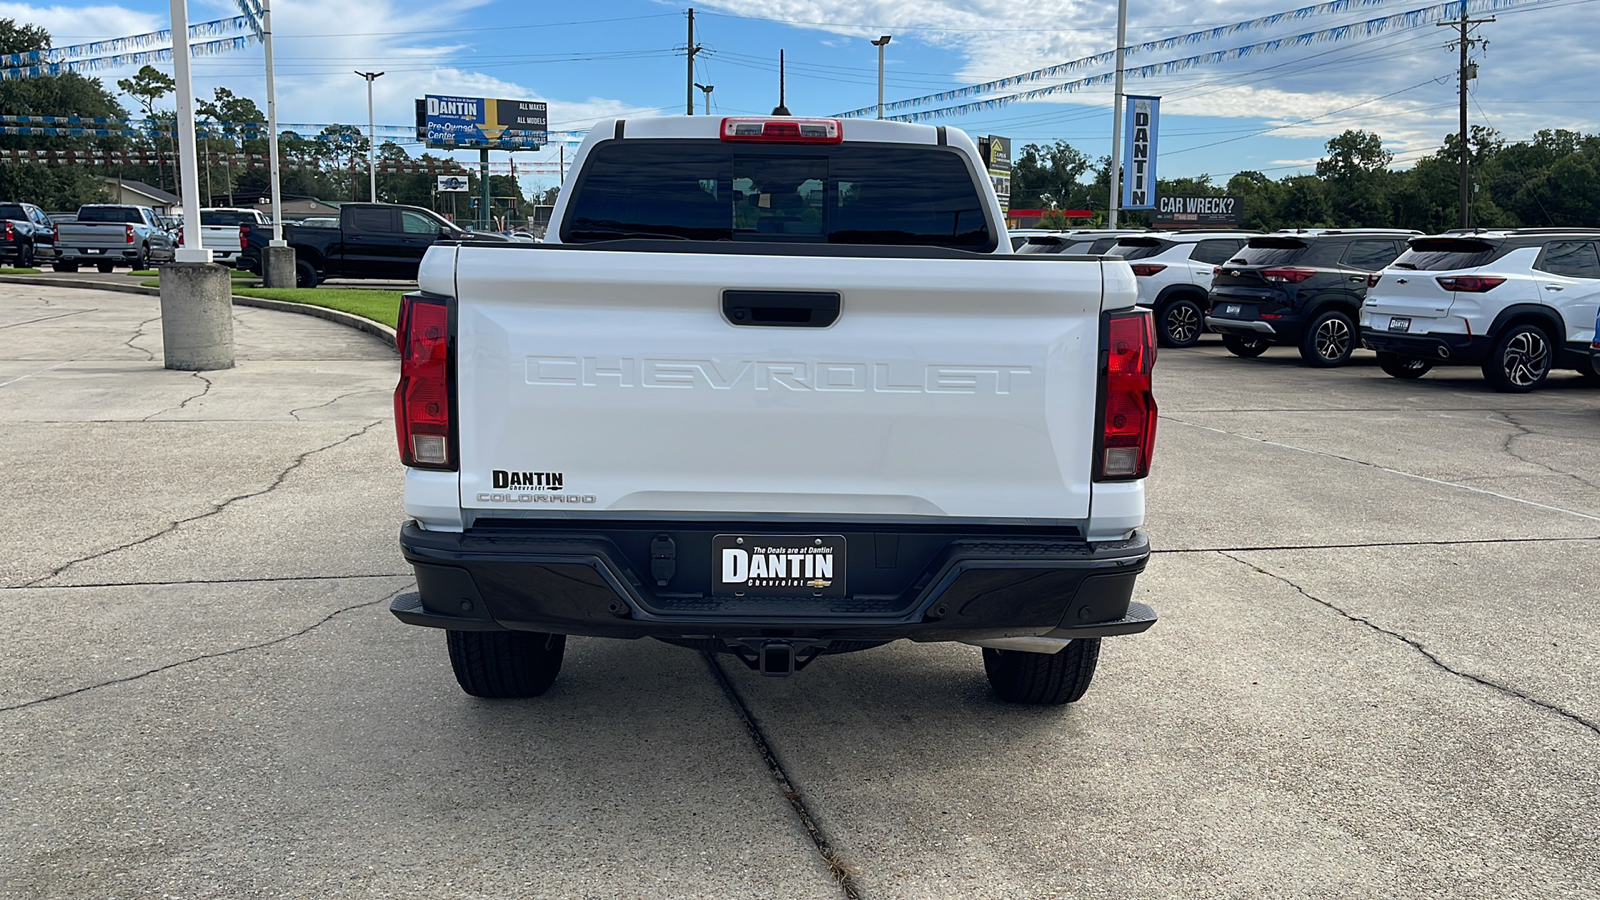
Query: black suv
{"x": 1302, "y": 289}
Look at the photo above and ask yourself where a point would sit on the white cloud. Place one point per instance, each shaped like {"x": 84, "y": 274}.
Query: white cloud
{"x": 82, "y": 24}
{"x": 995, "y": 38}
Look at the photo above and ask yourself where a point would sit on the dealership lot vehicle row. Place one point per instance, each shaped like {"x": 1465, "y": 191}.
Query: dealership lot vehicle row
{"x": 1375, "y": 672}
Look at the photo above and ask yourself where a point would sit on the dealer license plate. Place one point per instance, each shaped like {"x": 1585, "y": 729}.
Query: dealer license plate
{"x": 1399, "y": 323}
{"x": 94, "y": 249}
{"x": 1232, "y": 309}
{"x": 777, "y": 565}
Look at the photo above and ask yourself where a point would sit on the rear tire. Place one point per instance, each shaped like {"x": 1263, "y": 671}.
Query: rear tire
{"x": 1180, "y": 323}
{"x": 505, "y": 665}
{"x": 1042, "y": 679}
{"x": 1244, "y": 347}
{"x": 1329, "y": 340}
{"x": 1520, "y": 359}
{"x": 1403, "y": 367}
{"x": 305, "y": 275}
{"x": 25, "y": 256}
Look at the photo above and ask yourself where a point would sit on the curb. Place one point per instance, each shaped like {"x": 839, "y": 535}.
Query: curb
{"x": 349, "y": 320}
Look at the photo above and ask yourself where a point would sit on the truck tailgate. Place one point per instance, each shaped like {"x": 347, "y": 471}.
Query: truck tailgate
{"x": 602, "y": 380}
{"x": 109, "y": 235}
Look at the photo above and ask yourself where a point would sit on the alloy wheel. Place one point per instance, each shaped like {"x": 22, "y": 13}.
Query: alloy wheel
{"x": 1333, "y": 339}
{"x": 1183, "y": 323}
{"x": 1527, "y": 358}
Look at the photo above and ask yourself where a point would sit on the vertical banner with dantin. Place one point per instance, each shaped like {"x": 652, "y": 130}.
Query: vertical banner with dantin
{"x": 1139, "y": 172}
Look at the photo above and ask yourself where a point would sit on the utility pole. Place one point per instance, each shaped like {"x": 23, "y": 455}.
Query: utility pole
{"x": 1469, "y": 71}
{"x": 693, "y": 49}
{"x": 707, "y": 88}
{"x": 1116, "y": 118}
{"x": 372, "y": 140}
{"x": 880, "y": 43}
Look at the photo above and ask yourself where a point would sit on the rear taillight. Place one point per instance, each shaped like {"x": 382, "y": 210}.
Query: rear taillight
{"x": 422, "y": 398}
{"x": 1215, "y": 271}
{"x": 785, "y": 130}
{"x": 180, "y": 237}
{"x": 55, "y": 233}
{"x": 9, "y": 235}
{"x": 1146, "y": 268}
{"x": 1470, "y": 284}
{"x": 244, "y": 240}
{"x": 1287, "y": 274}
{"x": 1373, "y": 279}
{"x": 127, "y": 231}
{"x": 1128, "y": 407}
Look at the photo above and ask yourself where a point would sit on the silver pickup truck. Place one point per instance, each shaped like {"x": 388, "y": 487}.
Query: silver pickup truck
{"x": 108, "y": 236}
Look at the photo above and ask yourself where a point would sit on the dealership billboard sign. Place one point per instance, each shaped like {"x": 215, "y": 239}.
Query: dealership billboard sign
{"x": 996, "y": 153}
{"x": 451, "y": 123}
{"x": 1139, "y": 171}
{"x": 1197, "y": 212}
{"x": 452, "y": 184}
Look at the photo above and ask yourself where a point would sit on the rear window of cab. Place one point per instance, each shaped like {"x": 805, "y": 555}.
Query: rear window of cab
{"x": 849, "y": 193}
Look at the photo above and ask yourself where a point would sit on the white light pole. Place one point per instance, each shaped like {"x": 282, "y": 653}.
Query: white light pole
{"x": 372, "y": 138}
{"x": 193, "y": 249}
{"x": 707, "y": 88}
{"x": 1116, "y": 115}
{"x": 272, "y": 129}
{"x": 880, "y": 43}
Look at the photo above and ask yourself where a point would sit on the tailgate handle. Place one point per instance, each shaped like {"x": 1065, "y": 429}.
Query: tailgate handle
{"x": 790, "y": 309}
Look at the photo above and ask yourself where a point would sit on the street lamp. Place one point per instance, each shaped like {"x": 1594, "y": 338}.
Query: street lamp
{"x": 707, "y": 88}
{"x": 372, "y": 141}
{"x": 880, "y": 43}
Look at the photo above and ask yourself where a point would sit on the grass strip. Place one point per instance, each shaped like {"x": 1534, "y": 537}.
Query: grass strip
{"x": 4, "y": 271}
{"x": 379, "y": 306}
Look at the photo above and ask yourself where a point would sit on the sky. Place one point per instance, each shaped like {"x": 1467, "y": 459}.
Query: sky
{"x": 1272, "y": 111}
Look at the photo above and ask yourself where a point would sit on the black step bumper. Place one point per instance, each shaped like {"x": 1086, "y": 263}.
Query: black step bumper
{"x": 924, "y": 583}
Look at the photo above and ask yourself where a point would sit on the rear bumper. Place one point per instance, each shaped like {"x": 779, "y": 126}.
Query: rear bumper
{"x": 1441, "y": 349}
{"x": 925, "y": 584}
{"x": 82, "y": 255}
{"x": 1242, "y": 327}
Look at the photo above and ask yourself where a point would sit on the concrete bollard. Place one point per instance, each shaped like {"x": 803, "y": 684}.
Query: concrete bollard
{"x": 196, "y": 316}
{"x": 277, "y": 267}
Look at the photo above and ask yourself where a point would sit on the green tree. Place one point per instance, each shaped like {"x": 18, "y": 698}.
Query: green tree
{"x": 1356, "y": 176}
{"x": 56, "y": 187}
{"x": 147, "y": 87}
{"x": 1048, "y": 177}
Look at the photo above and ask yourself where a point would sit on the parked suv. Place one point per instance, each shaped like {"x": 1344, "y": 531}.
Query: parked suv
{"x": 1299, "y": 289}
{"x": 1091, "y": 241}
{"x": 1174, "y": 274}
{"x": 1517, "y": 302}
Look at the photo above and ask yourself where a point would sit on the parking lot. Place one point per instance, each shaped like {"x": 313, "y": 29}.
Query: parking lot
{"x": 1376, "y": 674}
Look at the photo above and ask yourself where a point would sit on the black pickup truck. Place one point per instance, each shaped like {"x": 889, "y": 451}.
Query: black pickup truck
{"x": 373, "y": 240}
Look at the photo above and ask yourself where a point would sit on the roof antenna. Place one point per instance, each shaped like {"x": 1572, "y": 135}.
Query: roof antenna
{"x": 780, "y": 109}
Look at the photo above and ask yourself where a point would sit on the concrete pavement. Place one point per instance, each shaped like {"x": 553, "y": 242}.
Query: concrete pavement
{"x": 1375, "y": 673}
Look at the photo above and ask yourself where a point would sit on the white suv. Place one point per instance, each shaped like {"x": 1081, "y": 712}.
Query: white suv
{"x": 1174, "y": 273}
{"x": 1517, "y": 302}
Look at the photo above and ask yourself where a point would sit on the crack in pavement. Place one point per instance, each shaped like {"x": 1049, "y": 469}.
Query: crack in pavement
{"x": 1382, "y": 468}
{"x": 187, "y": 400}
{"x": 265, "y": 579}
{"x": 216, "y": 509}
{"x": 1417, "y": 645}
{"x": 1451, "y": 542}
{"x": 205, "y": 656}
{"x": 1524, "y": 431}
{"x": 77, "y": 312}
{"x": 843, "y": 872}
{"x": 296, "y": 412}
{"x": 139, "y": 333}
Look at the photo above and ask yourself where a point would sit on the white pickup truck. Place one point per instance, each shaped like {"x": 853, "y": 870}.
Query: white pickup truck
{"x": 775, "y": 387}
{"x": 219, "y": 230}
